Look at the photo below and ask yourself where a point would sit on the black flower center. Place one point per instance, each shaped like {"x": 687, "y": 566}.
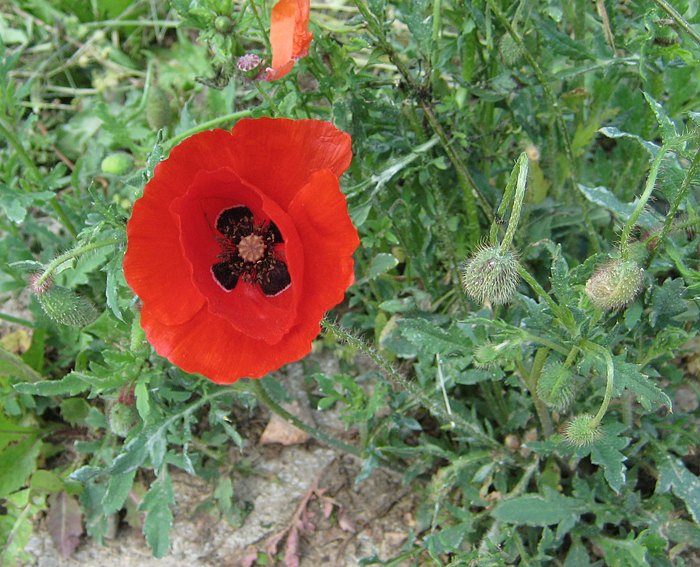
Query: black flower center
{"x": 248, "y": 253}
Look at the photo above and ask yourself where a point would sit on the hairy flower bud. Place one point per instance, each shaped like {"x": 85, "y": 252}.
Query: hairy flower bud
{"x": 65, "y": 306}
{"x": 555, "y": 386}
{"x": 122, "y": 418}
{"x": 491, "y": 276}
{"x": 615, "y": 284}
{"x": 117, "y": 163}
{"x": 582, "y": 430}
{"x": 158, "y": 110}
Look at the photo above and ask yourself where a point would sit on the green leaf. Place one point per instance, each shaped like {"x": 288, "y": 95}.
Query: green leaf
{"x": 668, "y": 128}
{"x": 381, "y": 264}
{"x": 629, "y": 376}
{"x": 606, "y": 453}
{"x": 431, "y": 338}
{"x": 118, "y": 489}
{"x": 159, "y": 518}
{"x": 132, "y": 456}
{"x": 603, "y": 197}
{"x": 667, "y": 301}
{"x": 71, "y": 384}
{"x": 17, "y": 462}
{"x": 86, "y": 473}
{"x": 560, "y": 43}
{"x": 13, "y": 365}
{"x": 685, "y": 485}
{"x": 539, "y": 510}
{"x": 115, "y": 274}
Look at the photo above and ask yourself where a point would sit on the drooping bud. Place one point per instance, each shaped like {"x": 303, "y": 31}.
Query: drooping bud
{"x": 615, "y": 284}
{"x": 491, "y": 276}
{"x": 67, "y": 307}
{"x": 158, "y": 110}
{"x": 488, "y": 354}
{"x": 583, "y": 430}
{"x": 555, "y": 386}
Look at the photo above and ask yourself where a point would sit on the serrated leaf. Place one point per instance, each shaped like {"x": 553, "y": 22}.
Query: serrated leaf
{"x": 612, "y": 132}
{"x": 431, "y": 338}
{"x": 132, "y": 456}
{"x": 71, "y": 384}
{"x": 17, "y": 462}
{"x": 561, "y": 43}
{"x": 630, "y": 376}
{"x": 381, "y": 264}
{"x": 115, "y": 273}
{"x": 668, "y": 128}
{"x": 83, "y": 474}
{"x": 118, "y": 489}
{"x": 685, "y": 485}
{"x": 64, "y": 521}
{"x": 606, "y": 453}
{"x": 159, "y": 518}
{"x": 538, "y": 510}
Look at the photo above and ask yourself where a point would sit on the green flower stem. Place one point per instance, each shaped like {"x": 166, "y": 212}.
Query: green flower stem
{"x": 257, "y": 388}
{"x": 514, "y": 219}
{"x": 16, "y": 320}
{"x": 693, "y": 170}
{"x": 266, "y": 98}
{"x": 74, "y": 253}
{"x": 398, "y": 380}
{"x": 562, "y": 314}
{"x": 561, "y": 125}
{"x": 531, "y": 378}
{"x": 610, "y": 379}
{"x": 682, "y": 23}
{"x": 206, "y": 126}
{"x": 36, "y": 174}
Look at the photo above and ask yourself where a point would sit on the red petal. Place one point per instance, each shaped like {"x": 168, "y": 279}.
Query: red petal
{"x": 245, "y": 307}
{"x": 289, "y": 36}
{"x": 278, "y": 156}
{"x": 329, "y": 239}
{"x": 209, "y": 345}
{"x": 154, "y": 265}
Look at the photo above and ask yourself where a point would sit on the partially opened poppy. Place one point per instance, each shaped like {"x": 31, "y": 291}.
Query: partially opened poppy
{"x": 239, "y": 245}
{"x": 289, "y": 36}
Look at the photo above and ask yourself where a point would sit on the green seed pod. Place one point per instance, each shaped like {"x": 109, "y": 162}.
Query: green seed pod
{"x": 158, "y": 110}
{"x": 555, "y": 386}
{"x": 122, "y": 419}
{"x": 490, "y": 276}
{"x": 582, "y": 431}
{"x": 117, "y": 163}
{"x": 65, "y": 306}
{"x": 615, "y": 284}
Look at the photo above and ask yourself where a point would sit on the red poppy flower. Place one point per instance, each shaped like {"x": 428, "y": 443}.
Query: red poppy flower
{"x": 289, "y": 36}
{"x": 239, "y": 245}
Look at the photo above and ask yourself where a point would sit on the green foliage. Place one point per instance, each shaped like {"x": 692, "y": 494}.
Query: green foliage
{"x": 472, "y": 399}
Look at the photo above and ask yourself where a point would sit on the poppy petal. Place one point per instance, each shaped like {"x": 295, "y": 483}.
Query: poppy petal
{"x": 278, "y": 156}
{"x": 245, "y": 306}
{"x": 289, "y": 36}
{"x": 154, "y": 254}
{"x": 209, "y": 345}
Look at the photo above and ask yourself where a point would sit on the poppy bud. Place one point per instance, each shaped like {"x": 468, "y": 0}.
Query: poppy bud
{"x": 555, "y": 386}
{"x": 615, "y": 285}
{"x": 510, "y": 50}
{"x": 491, "y": 276}
{"x": 158, "y": 111}
{"x": 122, "y": 418}
{"x": 583, "y": 430}
{"x": 37, "y": 285}
{"x": 66, "y": 307}
{"x": 488, "y": 354}
{"x": 117, "y": 163}
{"x": 223, "y": 24}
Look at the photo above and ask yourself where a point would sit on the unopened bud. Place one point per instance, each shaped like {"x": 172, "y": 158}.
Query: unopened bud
{"x": 491, "y": 276}
{"x": 223, "y": 24}
{"x": 117, "y": 163}
{"x": 555, "y": 386}
{"x": 615, "y": 285}
{"x": 583, "y": 430}
{"x": 39, "y": 285}
{"x": 158, "y": 110}
{"x": 67, "y": 307}
{"x": 122, "y": 419}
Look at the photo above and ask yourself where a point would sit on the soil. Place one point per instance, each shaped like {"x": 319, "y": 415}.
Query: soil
{"x": 304, "y": 497}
